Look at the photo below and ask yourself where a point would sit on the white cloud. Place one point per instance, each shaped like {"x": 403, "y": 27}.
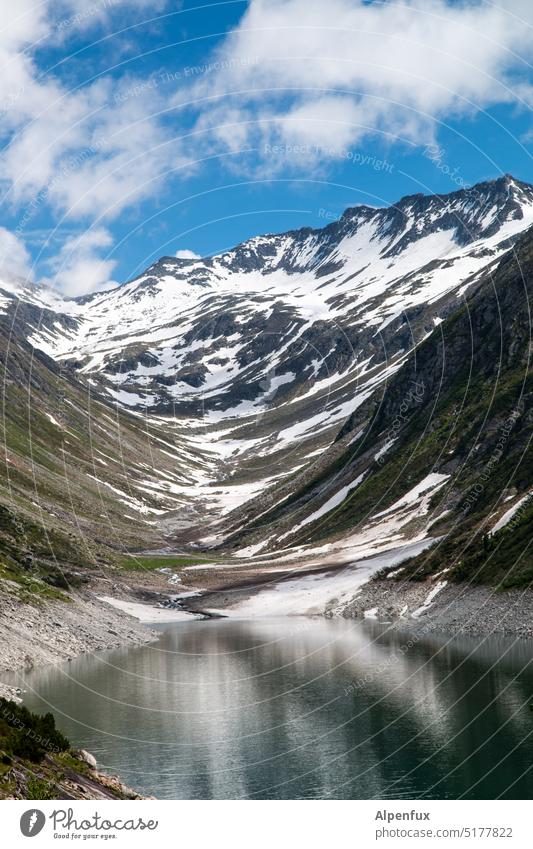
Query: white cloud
{"x": 186, "y": 254}
{"x": 330, "y": 74}
{"x": 14, "y": 258}
{"x": 79, "y": 269}
{"x": 84, "y": 153}
{"x": 88, "y": 151}
{"x": 321, "y": 76}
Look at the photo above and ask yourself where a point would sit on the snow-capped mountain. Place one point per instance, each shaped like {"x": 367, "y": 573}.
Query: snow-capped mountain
{"x": 254, "y": 358}
{"x": 246, "y": 326}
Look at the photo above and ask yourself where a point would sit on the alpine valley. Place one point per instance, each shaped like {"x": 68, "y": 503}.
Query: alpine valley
{"x": 269, "y": 429}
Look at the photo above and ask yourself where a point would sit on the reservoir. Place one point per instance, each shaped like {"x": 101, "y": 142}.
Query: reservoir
{"x": 301, "y": 708}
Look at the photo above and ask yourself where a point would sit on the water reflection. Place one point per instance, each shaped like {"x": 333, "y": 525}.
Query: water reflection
{"x": 302, "y": 709}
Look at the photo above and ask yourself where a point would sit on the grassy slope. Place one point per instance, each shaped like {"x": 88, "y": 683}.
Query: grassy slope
{"x": 138, "y": 563}
{"x": 60, "y": 517}
{"x": 58, "y": 522}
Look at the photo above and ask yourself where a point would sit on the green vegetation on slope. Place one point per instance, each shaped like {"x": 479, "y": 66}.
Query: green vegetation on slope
{"x": 28, "y": 735}
{"x": 36, "y": 761}
{"x": 461, "y": 406}
{"x": 140, "y": 562}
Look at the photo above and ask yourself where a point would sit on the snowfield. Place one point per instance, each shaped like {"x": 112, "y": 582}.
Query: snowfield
{"x": 312, "y": 594}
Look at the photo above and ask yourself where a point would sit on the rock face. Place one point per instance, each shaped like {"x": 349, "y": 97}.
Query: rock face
{"x": 33, "y": 633}
{"x": 453, "y": 609}
{"x": 63, "y": 776}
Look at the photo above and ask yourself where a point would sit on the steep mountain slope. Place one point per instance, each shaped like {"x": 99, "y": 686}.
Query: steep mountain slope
{"x": 262, "y": 399}
{"x": 445, "y": 451}
{"x": 75, "y": 472}
{"x": 228, "y": 335}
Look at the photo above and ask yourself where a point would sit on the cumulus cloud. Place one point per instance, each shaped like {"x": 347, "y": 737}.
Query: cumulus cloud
{"x": 95, "y": 155}
{"x": 330, "y": 74}
{"x": 321, "y": 77}
{"x": 85, "y": 153}
{"x": 311, "y": 74}
{"x": 91, "y": 150}
{"x": 186, "y": 254}
{"x": 15, "y": 260}
{"x": 79, "y": 268}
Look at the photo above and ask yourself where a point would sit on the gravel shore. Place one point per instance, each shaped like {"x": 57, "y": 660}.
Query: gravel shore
{"x": 452, "y": 609}
{"x": 37, "y": 634}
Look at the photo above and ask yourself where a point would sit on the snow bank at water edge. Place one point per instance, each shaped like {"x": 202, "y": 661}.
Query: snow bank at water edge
{"x": 311, "y": 594}
{"x": 146, "y": 613}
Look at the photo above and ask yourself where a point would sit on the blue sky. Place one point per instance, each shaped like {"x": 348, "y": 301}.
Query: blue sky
{"x": 132, "y": 129}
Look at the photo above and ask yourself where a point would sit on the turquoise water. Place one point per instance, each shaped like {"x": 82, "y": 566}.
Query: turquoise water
{"x": 300, "y": 708}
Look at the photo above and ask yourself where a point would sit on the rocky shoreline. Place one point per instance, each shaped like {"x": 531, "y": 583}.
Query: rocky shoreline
{"x": 33, "y": 635}
{"x": 70, "y": 775}
{"x": 430, "y": 607}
